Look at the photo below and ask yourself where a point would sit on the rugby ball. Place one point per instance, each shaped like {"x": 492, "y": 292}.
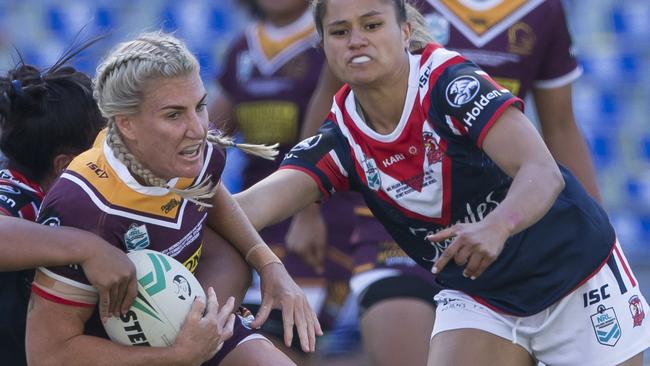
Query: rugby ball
{"x": 166, "y": 291}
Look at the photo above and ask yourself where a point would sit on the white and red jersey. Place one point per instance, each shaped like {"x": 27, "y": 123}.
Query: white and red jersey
{"x": 431, "y": 173}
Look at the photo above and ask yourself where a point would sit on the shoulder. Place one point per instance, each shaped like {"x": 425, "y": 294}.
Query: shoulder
{"x": 18, "y": 198}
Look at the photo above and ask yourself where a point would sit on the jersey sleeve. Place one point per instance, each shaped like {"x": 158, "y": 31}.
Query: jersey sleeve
{"x": 559, "y": 66}
{"x": 17, "y": 201}
{"x": 67, "y": 205}
{"x": 467, "y": 101}
{"x": 322, "y": 157}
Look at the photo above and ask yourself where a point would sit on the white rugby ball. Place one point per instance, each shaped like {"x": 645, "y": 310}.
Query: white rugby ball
{"x": 166, "y": 291}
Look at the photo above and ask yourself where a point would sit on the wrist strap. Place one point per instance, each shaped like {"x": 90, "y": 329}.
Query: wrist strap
{"x": 259, "y": 255}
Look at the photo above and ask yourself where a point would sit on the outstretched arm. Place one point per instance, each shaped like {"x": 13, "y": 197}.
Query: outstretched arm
{"x": 26, "y": 244}
{"x": 516, "y": 147}
{"x": 277, "y": 197}
{"x": 278, "y": 289}
{"x": 563, "y": 137}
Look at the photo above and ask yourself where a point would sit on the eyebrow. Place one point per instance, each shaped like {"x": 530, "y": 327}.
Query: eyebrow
{"x": 366, "y": 15}
{"x": 180, "y": 107}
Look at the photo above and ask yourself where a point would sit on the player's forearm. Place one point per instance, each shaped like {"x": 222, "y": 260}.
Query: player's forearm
{"x": 26, "y": 244}
{"x": 533, "y": 191}
{"x": 85, "y": 350}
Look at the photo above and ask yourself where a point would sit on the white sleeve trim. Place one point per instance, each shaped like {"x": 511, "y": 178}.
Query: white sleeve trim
{"x": 559, "y": 81}
{"x": 67, "y": 281}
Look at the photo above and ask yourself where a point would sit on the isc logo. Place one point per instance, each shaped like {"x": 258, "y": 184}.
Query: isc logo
{"x": 595, "y": 296}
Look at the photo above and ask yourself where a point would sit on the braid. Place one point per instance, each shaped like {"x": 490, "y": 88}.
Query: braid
{"x": 268, "y": 152}
{"x": 202, "y": 191}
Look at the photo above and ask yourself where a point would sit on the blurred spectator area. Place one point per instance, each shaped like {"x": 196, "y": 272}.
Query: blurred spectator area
{"x": 612, "y": 99}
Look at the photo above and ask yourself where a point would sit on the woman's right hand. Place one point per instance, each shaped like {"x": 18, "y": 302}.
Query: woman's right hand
{"x": 202, "y": 336}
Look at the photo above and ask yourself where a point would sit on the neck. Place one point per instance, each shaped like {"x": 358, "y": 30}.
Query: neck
{"x": 282, "y": 19}
{"x": 383, "y": 104}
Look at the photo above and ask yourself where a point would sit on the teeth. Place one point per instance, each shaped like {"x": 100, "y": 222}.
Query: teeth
{"x": 190, "y": 151}
{"x": 360, "y": 59}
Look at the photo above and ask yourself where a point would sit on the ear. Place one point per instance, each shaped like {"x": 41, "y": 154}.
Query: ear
{"x": 60, "y": 162}
{"x": 406, "y": 31}
{"x": 126, "y": 126}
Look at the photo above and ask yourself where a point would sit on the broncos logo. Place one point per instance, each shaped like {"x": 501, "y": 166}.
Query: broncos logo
{"x": 462, "y": 90}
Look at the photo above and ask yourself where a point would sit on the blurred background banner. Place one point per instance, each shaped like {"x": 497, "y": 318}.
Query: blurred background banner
{"x": 611, "y": 99}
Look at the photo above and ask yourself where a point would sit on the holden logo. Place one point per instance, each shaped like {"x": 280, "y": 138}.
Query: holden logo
{"x": 462, "y": 90}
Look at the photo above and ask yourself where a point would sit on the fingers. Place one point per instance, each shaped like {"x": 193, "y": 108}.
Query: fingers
{"x": 472, "y": 266}
{"x": 212, "y": 307}
{"x": 478, "y": 269}
{"x": 311, "y": 333}
{"x": 131, "y": 294}
{"x": 262, "y": 315}
{"x": 116, "y": 302}
{"x": 446, "y": 255}
{"x": 287, "y": 322}
{"x": 303, "y": 328}
{"x": 443, "y": 234}
{"x": 104, "y": 301}
{"x": 196, "y": 311}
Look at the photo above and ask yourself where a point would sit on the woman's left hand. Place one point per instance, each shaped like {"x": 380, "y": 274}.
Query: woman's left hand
{"x": 279, "y": 291}
{"x": 474, "y": 246}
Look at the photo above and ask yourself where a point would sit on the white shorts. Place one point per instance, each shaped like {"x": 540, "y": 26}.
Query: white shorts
{"x": 602, "y": 322}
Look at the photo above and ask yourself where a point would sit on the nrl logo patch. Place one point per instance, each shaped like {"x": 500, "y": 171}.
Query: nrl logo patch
{"x": 136, "y": 237}
{"x": 606, "y": 326}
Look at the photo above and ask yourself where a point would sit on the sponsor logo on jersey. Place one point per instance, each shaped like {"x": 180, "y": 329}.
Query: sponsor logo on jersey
{"x": 393, "y": 159}
{"x": 136, "y": 237}
{"x": 438, "y": 27}
{"x": 595, "y": 296}
{"x": 183, "y": 289}
{"x": 636, "y": 308}
{"x": 474, "y": 214}
{"x": 462, "y": 90}
{"x": 101, "y": 173}
{"x": 372, "y": 173}
{"x": 479, "y": 106}
{"x": 192, "y": 262}
{"x": 52, "y": 221}
{"x": 167, "y": 207}
{"x": 606, "y": 326}
{"x": 9, "y": 189}
{"x": 8, "y": 200}
{"x": 432, "y": 148}
{"x": 308, "y": 143}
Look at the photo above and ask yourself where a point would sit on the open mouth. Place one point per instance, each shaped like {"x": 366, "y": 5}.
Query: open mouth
{"x": 358, "y": 60}
{"x": 191, "y": 152}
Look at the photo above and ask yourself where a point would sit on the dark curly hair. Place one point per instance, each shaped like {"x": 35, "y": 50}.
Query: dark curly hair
{"x": 44, "y": 113}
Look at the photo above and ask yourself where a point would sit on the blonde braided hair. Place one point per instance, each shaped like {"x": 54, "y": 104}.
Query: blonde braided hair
{"x": 119, "y": 84}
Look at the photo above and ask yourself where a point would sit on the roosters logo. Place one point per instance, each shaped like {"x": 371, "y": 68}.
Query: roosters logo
{"x": 432, "y": 148}
{"x": 462, "y": 90}
{"x": 636, "y": 308}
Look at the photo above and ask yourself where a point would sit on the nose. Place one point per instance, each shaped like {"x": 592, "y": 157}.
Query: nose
{"x": 357, "y": 39}
{"x": 197, "y": 125}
